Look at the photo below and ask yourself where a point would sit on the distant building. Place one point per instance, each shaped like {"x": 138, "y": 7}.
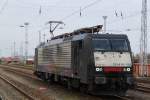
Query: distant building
{"x": 30, "y": 61}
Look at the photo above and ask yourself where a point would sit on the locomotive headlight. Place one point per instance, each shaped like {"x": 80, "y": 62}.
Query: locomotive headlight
{"x": 128, "y": 69}
{"x": 99, "y": 69}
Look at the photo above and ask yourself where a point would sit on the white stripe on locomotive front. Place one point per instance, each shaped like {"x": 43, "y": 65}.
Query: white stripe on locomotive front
{"x": 113, "y": 59}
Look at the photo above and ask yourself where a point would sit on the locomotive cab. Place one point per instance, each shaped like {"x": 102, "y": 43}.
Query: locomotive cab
{"x": 112, "y": 62}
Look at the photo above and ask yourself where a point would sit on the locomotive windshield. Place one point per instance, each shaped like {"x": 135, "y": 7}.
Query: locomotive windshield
{"x": 119, "y": 45}
{"x": 101, "y": 44}
{"x": 112, "y": 44}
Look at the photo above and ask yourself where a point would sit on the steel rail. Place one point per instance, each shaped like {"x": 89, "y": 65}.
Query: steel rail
{"x": 143, "y": 88}
{"x": 18, "y": 89}
{"x": 22, "y": 73}
{"x": 18, "y": 66}
{"x": 123, "y": 97}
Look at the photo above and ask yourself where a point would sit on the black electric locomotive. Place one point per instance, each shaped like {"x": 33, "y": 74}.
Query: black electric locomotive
{"x": 96, "y": 63}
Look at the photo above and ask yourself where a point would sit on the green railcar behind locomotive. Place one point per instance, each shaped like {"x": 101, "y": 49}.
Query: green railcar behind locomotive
{"x": 96, "y": 63}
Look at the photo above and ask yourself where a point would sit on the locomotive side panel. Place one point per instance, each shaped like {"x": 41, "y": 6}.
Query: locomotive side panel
{"x": 35, "y": 59}
{"x": 86, "y": 61}
{"x": 55, "y": 59}
{"x": 90, "y": 60}
{"x": 76, "y": 59}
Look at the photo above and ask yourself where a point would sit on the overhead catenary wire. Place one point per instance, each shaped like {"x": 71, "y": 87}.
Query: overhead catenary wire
{"x": 95, "y": 2}
{"x": 76, "y": 12}
{"x": 136, "y": 13}
{"x": 81, "y": 9}
{"x": 111, "y": 22}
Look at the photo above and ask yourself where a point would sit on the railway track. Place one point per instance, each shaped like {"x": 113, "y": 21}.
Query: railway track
{"x": 124, "y": 97}
{"x": 18, "y": 69}
{"x": 143, "y": 80}
{"x": 31, "y": 76}
{"x": 28, "y": 90}
{"x": 115, "y": 97}
{"x": 16, "y": 87}
{"x": 22, "y": 73}
{"x": 19, "y": 66}
{"x": 143, "y": 88}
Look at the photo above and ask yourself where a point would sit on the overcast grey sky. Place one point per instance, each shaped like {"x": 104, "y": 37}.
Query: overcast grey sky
{"x": 14, "y": 13}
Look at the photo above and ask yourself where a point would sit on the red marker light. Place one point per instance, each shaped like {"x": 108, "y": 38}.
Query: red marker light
{"x": 113, "y": 69}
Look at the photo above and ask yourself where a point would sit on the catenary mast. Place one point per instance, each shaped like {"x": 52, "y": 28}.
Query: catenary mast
{"x": 143, "y": 39}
